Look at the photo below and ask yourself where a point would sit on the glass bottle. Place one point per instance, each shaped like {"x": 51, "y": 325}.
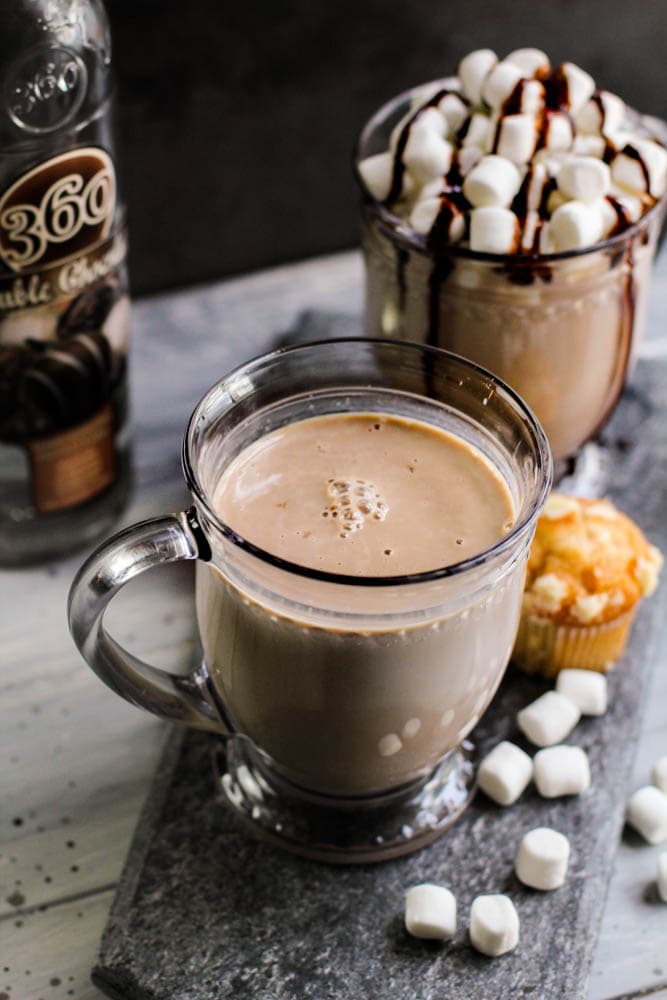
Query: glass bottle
{"x": 64, "y": 305}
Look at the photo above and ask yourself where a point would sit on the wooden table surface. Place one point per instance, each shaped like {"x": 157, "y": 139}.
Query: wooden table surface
{"x": 76, "y": 761}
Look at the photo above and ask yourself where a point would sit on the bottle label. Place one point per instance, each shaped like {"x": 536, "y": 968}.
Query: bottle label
{"x": 64, "y": 326}
{"x": 68, "y": 468}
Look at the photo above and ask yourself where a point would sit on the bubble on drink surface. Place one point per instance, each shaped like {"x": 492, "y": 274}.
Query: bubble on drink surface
{"x": 354, "y": 502}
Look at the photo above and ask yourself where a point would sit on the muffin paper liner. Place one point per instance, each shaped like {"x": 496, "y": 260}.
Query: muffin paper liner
{"x": 546, "y": 647}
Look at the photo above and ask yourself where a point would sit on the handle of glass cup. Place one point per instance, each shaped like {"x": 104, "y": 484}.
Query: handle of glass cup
{"x": 172, "y": 538}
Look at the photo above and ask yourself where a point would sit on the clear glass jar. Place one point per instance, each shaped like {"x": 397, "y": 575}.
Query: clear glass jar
{"x": 561, "y": 329}
{"x": 64, "y": 305}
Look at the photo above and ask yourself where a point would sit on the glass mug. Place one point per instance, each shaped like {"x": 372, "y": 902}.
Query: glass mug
{"x": 560, "y": 328}
{"x": 343, "y": 702}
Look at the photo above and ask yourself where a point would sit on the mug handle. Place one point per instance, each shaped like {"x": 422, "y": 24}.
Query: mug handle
{"x": 185, "y": 700}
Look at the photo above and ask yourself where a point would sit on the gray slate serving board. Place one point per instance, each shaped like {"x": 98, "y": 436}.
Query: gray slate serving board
{"x": 204, "y": 912}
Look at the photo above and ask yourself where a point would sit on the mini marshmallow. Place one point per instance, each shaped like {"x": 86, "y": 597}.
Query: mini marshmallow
{"x": 500, "y": 82}
{"x": 589, "y": 145}
{"x": 580, "y": 85}
{"x": 586, "y": 688}
{"x": 530, "y": 235}
{"x": 610, "y": 220}
{"x": 548, "y": 719}
{"x": 575, "y": 226}
{"x": 584, "y": 178}
{"x": 517, "y": 137}
{"x": 454, "y": 111}
{"x": 555, "y": 200}
{"x": 494, "y": 925}
{"x": 473, "y": 70}
{"x": 534, "y": 183}
{"x": 478, "y": 131}
{"x": 542, "y": 859}
{"x": 662, "y": 876}
{"x": 505, "y": 773}
{"x": 529, "y": 61}
{"x": 647, "y": 813}
{"x": 428, "y": 118}
{"x": 493, "y": 181}
{"x": 631, "y": 204}
{"x": 557, "y": 132}
{"x": 494, "y": 230}
{"x": 531, "y": 97}
{"x": 641, "y": 166}
{"x": 427, "y": 210}
{"x": 427, "y": 155}
{"x": 430, "y": 912}
{"x": 561, "y": 770}
{"x": 546, "y": 243}
{"x": 604, "y": 113}
{"x": 659, "y": 774}
{"x": 376, "y": 173}
{"x": 468, "y": 157}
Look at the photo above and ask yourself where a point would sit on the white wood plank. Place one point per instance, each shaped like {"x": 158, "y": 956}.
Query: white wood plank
{"x": 48, "y": 955}
{"x": 631, "y": 954}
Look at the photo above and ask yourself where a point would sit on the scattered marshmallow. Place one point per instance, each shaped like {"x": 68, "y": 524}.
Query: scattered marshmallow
{"x": 641, "y": 166}
{"x": 647, "y": 813}
{"x": 580, "y": 85}
{"x": 584, "y": 178}
{"x": 494, "y": 230}
{"x": 427, "y": 154}
{"x": 430, "y": 912}
{"x": 493, "y": 181}
{"x": 500, "y": 82}
{"x": 604, "y": 113}
{"x": 561, "y": 770}
{"x": 530, "y": 61}
{"x": 662, "y": 876}
{"x": 505, "y": 773}
{"x": 659, "y": 774}
{"x": 473, "y": 70}
{"x": 542, "y": 859}
{"x": 576, "y": 225}
{"x": 517, "y": 137}
{"x": 549, "y": 719}
{"x": 586, "y": 688}
{"x": 494, "y": 925}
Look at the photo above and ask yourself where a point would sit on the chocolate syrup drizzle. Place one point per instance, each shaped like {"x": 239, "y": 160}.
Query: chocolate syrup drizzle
{"x": 399, "y": 165}
{"x": 453, "y": 203}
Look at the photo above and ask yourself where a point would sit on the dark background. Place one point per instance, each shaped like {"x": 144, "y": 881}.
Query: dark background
{"x": 237, "y": 120}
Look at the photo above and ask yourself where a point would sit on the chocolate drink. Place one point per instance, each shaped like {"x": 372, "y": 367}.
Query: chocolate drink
{"x": 342, "y": 704}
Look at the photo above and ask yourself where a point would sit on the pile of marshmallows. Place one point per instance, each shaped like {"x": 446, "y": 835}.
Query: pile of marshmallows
{"x": 514, "y": 156}
{"x": 543, "y": 854}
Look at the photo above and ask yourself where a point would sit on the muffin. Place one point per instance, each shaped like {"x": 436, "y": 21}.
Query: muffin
{"x": 588, "y": 568}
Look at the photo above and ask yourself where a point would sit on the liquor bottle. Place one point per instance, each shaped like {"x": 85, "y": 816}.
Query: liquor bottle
{"x": 64, "y": 305}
